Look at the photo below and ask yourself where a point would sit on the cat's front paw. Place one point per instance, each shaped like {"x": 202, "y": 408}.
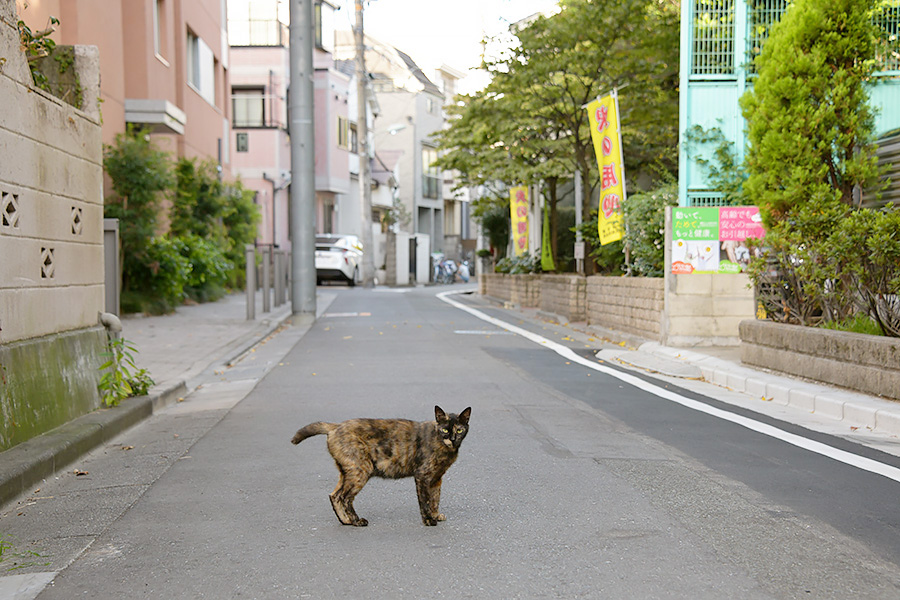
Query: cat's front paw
{"x": 429, "y": 521}
{"x": 441, "y": 517}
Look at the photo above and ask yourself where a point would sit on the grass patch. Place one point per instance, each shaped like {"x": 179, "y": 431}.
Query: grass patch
{"x": 858, "y": 323}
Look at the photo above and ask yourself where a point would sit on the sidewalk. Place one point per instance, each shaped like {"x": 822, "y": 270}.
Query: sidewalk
{"x": 175, "y": 349}
{"x": 870, "y": 419}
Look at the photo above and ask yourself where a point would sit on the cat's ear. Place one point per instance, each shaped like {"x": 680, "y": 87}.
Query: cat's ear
{"x": 464, "y": 415}
{"x": 439, "y": 414}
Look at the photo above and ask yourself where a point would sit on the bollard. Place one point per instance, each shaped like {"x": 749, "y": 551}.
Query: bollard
{"x": 250, "y": 284}
{"x": 266, "y": 304}
{"x": 279, "y": 278}
{"x": 289, "y": 277}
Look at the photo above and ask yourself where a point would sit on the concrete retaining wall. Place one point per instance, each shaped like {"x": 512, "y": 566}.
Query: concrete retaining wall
{"x": 564, "y": 296}
{"x": 632, "y": 304}
{"x": 869, "y": 364}
{"x": 521, "y": 290}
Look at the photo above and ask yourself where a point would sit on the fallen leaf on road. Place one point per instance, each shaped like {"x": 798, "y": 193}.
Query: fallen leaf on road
{"x": 348, "y": 337}
{"x": 127, "y": 447}
{"x": 854, "y": 428}
{"x": 79, "y": 473}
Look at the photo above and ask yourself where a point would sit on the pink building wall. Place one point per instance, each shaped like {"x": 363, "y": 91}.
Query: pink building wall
{"x": 130, "y": 67}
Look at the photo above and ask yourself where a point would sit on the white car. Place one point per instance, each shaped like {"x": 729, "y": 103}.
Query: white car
{"x": 338, "y": 258}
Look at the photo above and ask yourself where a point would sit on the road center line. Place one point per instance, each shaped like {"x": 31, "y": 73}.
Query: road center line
{"x": 843, "y": 456}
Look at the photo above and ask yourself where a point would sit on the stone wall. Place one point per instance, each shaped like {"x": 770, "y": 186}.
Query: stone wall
{"x": 521, "y": 290}
{"x": 632, "y": 304}
{"x": 564, "y": 296}
{"x": 51, "y": 244}
{"x": 867, "y": 363}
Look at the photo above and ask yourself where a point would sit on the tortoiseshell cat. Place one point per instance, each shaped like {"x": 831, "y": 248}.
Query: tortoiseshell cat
{"x": 391, "y": 448}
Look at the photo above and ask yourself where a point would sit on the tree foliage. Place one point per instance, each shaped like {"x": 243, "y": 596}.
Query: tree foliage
{"x": 810, "y": 128}
{"x": 210, "y": 221}
{"x": 529, "y": 124}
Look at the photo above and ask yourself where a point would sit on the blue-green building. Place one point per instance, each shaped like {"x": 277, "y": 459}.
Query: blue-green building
{"x": 718, "y": 40}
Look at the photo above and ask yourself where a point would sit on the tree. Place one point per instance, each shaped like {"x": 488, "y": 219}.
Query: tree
{"x": 530, "y": 124}
{"x": 810, "y": 128}
{"x": 140, "y": 175}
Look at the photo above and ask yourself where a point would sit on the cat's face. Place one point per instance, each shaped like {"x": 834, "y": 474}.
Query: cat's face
{"x": 452, "y": 428}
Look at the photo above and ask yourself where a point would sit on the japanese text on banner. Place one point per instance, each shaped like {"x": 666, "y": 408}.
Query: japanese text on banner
{"x": 518, "y": 215}
{"x": 603, "y": 116}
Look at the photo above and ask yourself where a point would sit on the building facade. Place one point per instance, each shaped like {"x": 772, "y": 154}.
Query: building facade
{"x": 719, "y": 39}
{"x": 260, "y": 81}
{"x": 163, "y": 65}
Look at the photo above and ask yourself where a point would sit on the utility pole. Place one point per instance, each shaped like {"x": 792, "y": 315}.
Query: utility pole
{"x": 362, "y": 135}
{"x": 303, "y": 175}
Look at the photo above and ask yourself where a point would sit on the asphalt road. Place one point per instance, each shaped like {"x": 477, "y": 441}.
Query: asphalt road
{"x": 572, "y": 483}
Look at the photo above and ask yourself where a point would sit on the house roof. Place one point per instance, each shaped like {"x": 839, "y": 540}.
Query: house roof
{"x": 430, "y": 87}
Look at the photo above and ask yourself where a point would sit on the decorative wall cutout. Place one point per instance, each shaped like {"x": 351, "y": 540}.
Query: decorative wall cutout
{"x": 9, "y": 210}
{"x": 77, "y": 221}
{"x": 47, "y": 263}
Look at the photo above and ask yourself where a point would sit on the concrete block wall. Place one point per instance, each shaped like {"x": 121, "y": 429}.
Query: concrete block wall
{"x": 869, "y": 364}
{"x": 51, "y": 246}
{"x": 522, "y": 290}
{"x": 632, "y": 304}
{"x": 706, "y": 309}
{"x": 564, "y": 296}
{"x": 51, "y": 203}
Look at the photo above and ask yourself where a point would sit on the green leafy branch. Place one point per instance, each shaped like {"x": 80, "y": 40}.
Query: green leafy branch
{"x": 121, "y": 376}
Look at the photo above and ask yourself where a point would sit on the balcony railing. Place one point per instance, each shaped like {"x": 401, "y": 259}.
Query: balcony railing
{"x": 263, "y": 110}
{"x": 256, "y": 32}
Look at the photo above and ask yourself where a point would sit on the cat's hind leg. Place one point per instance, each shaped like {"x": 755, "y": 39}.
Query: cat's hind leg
{"x": 337, "y": 504}
{"x": 350, "y": 484}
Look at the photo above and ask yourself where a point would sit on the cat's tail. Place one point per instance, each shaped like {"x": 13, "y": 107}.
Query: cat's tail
{"x": 312, "y": 429}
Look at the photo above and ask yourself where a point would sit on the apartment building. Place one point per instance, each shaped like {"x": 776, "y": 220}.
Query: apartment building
{"x": 163, "y": 65}
{"x": 260, "y": 81}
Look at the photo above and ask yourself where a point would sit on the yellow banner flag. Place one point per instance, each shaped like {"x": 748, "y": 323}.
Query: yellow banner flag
{"x": 603, "y": 115}
{"x": 518, "y": 215}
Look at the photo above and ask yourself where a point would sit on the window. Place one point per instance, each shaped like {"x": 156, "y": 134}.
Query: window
{"x": 431, "y": 174}
{"x": 761, "y": 15}
{"x": 248, "y": 107}
{"x": 343, "y": 133}
{"x": 201, "y": 67}
{"x": 887, "y": 47}
{"x": 324, "y": 26}
{"x": 159, "y": 27}
{"x": 712, "y": 28}
{"x": 354, "y": 138}
{"x": 242, "y": 141}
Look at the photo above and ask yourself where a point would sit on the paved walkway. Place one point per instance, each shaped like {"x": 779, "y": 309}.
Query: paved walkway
{"x": 179, "y": 346}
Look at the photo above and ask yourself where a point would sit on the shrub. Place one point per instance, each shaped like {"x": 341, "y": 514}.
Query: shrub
{"x": 645, "y": 225}
{"x": 140, "y": 174}
{"x": 865, "y": 249}
{"x": 517, "y": 265}
{"x": 209, "y": 268}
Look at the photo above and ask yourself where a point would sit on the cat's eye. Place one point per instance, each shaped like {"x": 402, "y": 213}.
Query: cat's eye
{"x": 444, "y": 430}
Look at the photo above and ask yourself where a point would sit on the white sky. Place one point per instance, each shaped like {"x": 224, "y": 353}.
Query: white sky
{"x": 437, "y": 32}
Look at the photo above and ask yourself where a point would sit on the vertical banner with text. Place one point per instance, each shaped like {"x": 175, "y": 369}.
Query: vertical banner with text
{"x": 603, "y": 114}
{"x": 518, "y": 216}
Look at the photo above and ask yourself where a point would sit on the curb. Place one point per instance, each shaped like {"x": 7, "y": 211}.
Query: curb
{"x": 26, "y": 464}
{"x": 854, "y": 408}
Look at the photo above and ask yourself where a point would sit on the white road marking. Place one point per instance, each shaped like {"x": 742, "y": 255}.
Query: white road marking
{"x": 848, "y": 458}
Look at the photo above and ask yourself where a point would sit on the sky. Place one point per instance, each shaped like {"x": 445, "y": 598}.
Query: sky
{"x": 436, "y": 32}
